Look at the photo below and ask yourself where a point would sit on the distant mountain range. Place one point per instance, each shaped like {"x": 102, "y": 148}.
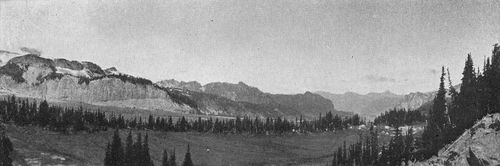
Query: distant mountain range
{"x": 63, "y": 80}
{"x": 307, "y": 104}
{"x": 373, "y": 104}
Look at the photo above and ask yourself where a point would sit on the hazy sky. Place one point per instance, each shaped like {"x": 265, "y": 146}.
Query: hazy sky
{"x": 279, "y": 46}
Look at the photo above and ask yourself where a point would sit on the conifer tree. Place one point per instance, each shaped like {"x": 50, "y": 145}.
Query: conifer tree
{"x": 6, "y": 149}
{"x": 117, "y": 155}
{"x": 433, "y": 137}
{"x": 464, "y": 111}
{"x": 129, "y": 145}
{"x": 137, "y": 153}
{"x": 409, "y": 146}
{"x": 187, "y": 158}
{"x": 494, "y": 76}
{"x": 172, "y": 160}
{"x": 107, "y": 157}
{"x": 146, "y": 156}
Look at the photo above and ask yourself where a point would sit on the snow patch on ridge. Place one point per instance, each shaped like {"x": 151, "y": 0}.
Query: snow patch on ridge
{"x": 5, "y": 56}
{"x": 76, "y": 73}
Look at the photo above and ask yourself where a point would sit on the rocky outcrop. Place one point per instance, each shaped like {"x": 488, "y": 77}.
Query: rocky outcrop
{"x": 105, "y": 90}
{"x": 415, "y": 100}
{"x": 477, "y": 146}
{"x": 73, "y": 65}
{"x": 191, "y": 85}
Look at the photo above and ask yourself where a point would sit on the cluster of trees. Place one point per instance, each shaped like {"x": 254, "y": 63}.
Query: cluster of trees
{"x": 479, "y": 95}
{"x": 22, "y": 112}
{"x": 367, "y": 150}
{"x": 123, "y": 77}
{"x": 170, "y": 161}
{"x": 133, "y": 154}
{"x": 137, "y": 153}
{"x": 399, "y": 117}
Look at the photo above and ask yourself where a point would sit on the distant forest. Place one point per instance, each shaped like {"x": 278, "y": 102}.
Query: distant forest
{"x": 399, "y": 117}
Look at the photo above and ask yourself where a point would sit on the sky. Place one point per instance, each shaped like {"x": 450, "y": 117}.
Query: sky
{"x": 279, "y": 46}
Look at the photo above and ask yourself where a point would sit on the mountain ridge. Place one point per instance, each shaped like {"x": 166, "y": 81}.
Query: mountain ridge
{"x": 308, "y": 104}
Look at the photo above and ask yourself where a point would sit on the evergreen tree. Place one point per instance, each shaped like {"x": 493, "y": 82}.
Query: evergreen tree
{"x": 494, "y": 77}
{"x": 146, "y": 156}
{"x": 187, "y": 158}
{"x": 6, "y": 149}
{"x": 107, "y": 157}
{"x": 374, "y": 149}
{"x": 464, "y": 110}
{"x": 138, "y": 154}
{"x": 117, "y": 155}
{"x": 172, "y": 161}
{"x": 437, "y": 122}
{"x": 409, "y": 146}
{"x": 129, "y": 145}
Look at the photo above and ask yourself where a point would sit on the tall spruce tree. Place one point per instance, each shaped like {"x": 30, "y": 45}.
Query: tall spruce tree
{"x": 494, "y": 76}
{"x": 464, "y": 110}
{"x": 117, "y": 155}
{"x": 129, "y": 145}
{"x": 437, "y": 123}
{"x": 187, "y": 158}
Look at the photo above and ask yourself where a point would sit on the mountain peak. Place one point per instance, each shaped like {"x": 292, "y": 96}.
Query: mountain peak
{"x": 5, "y": 56}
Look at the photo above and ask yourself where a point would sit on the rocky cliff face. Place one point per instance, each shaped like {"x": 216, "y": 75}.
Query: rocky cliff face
{"x": 35, "y": 76}
{"x": 415, "y": 100}
{"x": 475, "y": 147}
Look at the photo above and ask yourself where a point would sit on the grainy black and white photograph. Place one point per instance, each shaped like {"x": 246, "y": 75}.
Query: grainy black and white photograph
{"x": 249, "y": 82}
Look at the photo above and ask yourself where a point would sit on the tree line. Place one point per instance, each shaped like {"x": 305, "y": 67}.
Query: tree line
{"x": 399, "y": 117}
{"x": 69, "y": 120}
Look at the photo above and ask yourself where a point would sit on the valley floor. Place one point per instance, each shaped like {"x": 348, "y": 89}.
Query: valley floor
{"x": 34, "y": 145}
